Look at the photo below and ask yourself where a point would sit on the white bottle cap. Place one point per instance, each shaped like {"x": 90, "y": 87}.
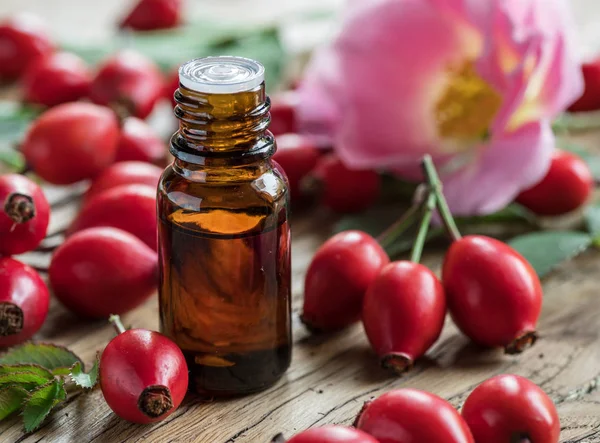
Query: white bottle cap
{"x": 221, "y": 75}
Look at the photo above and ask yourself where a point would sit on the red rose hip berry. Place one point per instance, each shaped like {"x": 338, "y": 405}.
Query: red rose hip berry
{"x": 493, "y": 293}
{"x": 283, "y": 113}
{"x": 511, "y": 409}
{"x": 410, "y": 416}
{"x": 131, "y": 208}
{"x": 171, "y": 85}
{"x": 329, "y": 434}
{"x": 128, "y": 81}
{"x": 297, "y": 155}
{"x": 403, "y": 313}
{"x": 24, "y": 301}
{"x": 139, "y": 142}
{"x": 566, "y": 187}
{"x": 124, "y": 173}
{"x": 341, "y": 189}
{"x": 337, "y": 279}
{"x": 24, "y": 214}
{"x": 23, "y": 40}
{"x": 143, "y": 375}
{"x": 103, "y": 271}
{"x": 148, "y": 15}
{"x": 59, "y": 78}
{"x": 71, "y": 142}
{"x": 590, "y": 100}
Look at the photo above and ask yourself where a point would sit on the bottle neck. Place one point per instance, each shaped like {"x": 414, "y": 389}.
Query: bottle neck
{"x": 222, "y": 129}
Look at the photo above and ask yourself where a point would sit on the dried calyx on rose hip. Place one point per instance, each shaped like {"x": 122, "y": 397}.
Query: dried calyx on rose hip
{"x": 125, "y": 272}
{"x": 143, "y": 374}
{"x": 337, "y": 279}
{"x": 328, "y": 434}
{"x": 422, "y": 417}
{"x": 24, "y": 301}
{"x": 511, "y": 409}
{"x": 71, "y": 142}
{"x": 24, "y": 214}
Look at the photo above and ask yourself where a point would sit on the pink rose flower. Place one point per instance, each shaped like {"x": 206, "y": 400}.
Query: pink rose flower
{"x": 474, "y": 83}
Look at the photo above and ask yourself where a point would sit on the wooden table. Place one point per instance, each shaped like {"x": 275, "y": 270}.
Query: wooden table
{"x": 331, "y": 376}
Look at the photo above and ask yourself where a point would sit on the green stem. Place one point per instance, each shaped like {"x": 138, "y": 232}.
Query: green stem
{"x": 436, "y": 187}
{"x": 417, "y": 250}
{"x": 391, "y": 234}
{"x": 116, "y": 321}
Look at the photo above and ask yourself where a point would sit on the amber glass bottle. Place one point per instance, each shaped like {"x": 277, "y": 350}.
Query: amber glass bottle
{"x": 223, "y": 232}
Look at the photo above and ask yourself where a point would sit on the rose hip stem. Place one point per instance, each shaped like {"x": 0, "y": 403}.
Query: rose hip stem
{"x": 118, "y": 325}
{"x": 387, "y": 237}
{"x": 417, "y": 249}
{"x": 436, "y": 188}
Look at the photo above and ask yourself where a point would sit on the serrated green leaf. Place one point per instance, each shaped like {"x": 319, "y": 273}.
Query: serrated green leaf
{"x": 49, "y": 356}
{"x": 546, "y": 250}
{"x": 31, "y": 368}
{"x": 40, "y": 402}
{"x": 28, "y": 380}
{"x": 11, "y": 399}
{"x": 85, "y": 380}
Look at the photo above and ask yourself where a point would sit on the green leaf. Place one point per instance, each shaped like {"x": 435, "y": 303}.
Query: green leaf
{"x": 82, "y": 379}
{"x": 31, "y": 368}
{"x": 12, "y": 159}
{"x": 592, "y": 219}
{"x": 592, "y": 160}
{"x": 577, "y": 122}
{"x": 11, "y": 399}
{"x": 27, "y": 380}
{"x": 49, "y": 356}
{"x": 40, "y": 402}
{"x": 546, "y": 250}
{"x": 14, "y": 120}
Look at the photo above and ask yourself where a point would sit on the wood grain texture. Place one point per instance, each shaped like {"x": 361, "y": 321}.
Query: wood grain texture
{"x": 331, "y": 376}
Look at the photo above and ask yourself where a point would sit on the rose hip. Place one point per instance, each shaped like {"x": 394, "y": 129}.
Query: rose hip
{"x": 24, "y": 214}
{"x": 509, "y": 408}
{"x": 71, "y": 142}
{"x": 283, "y": 113}
{"x": 139, "y": 142}
{"x": 337, "y": 279}
{"x": 23, "y": 39}
{"x": 567, "y": 186}
{"x": 58, "y": 78}
{"x": 493, "y": 293}
{"x": 24, "y": 301}
{"x": 131, "y": 208}
{"x": 297, "y": 155}
{"x": 148, "y": 15}
{"x": 329, "y": 434}
{"x": 101, "y": 271}
{"x": 124, "y": 173}
{"x": 410, "y": 415}
{"x": 171, "y": 85}
{"x": 590, "y": 100}
{"x": 403, "y": 313}
{"x": 128, "y": 81}
{"x": 143, "y": 375}
{"x": 341, "y": 189}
